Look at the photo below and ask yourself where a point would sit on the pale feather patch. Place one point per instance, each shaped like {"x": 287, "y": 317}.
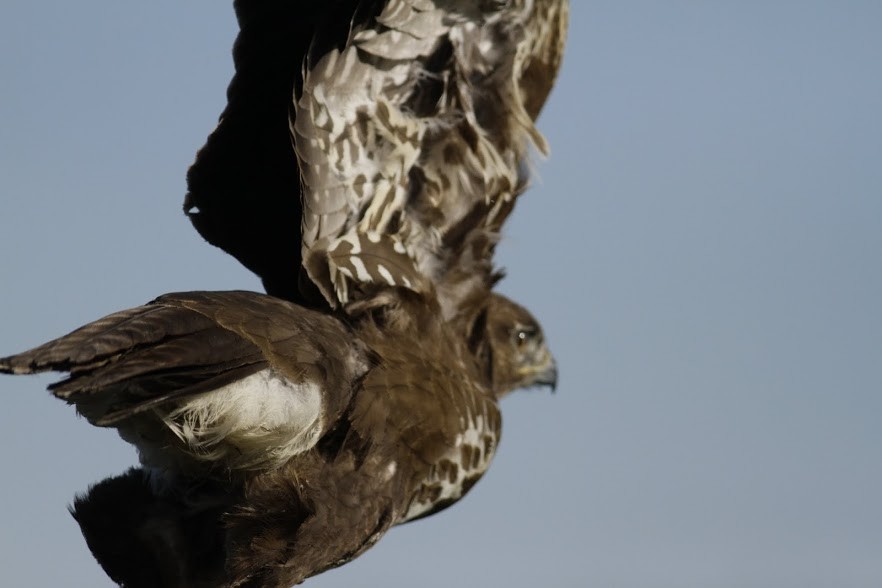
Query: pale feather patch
{"x": 386, "y": 274}
{"x": 260, "y": 421}
{"x": 448, "y": 482}
{"x": 390, "y": 471}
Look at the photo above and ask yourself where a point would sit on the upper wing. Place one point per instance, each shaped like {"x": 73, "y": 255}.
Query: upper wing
{"x": 412, "y": 137}
{"x": 411, "y": 121}
{"x": 244, "y": 187}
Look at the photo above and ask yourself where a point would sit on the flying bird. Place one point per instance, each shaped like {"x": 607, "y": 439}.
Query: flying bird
{"x": 368, "y": 157}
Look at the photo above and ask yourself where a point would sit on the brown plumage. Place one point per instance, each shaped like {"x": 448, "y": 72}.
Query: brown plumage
{"x": 396, "y": 435}
{"x": 368, "y": 157}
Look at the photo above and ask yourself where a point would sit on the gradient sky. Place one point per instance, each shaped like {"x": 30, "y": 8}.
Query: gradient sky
{"x": 703, "y": 248}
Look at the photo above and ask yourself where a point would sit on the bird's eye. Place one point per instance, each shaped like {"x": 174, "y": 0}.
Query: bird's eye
{"x": 523, "y": 335}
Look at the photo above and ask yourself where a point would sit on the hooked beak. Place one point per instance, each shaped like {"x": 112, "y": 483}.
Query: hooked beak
{"x": 548, "y": 376}
{"x": 541, "y": 373}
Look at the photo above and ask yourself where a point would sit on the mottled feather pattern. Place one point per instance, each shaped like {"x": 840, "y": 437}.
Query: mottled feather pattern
{"x": 444, "y": 415}
{"x": 463, "y": 462}
{"x": 369, "y": 261}
{"x": 417, "y": 118}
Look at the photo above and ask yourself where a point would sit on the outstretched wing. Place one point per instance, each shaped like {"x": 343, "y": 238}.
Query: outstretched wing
{"x": 410, "y": 121}
{"x": 235, "y": 379}
{"x": 412, "y": 138}
{"x": 244, "y": 187}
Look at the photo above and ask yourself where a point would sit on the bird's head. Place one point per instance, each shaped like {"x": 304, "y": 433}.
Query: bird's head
{"x": 518, "y": 354}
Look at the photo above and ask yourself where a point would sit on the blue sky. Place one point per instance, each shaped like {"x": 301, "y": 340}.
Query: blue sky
{"x": 703, "y": 248}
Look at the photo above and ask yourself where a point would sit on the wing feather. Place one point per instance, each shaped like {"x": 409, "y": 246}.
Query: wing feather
{"x": 232, "y": 377}
{"x": 413, "y": 124}
{"x": 405, "y": 123}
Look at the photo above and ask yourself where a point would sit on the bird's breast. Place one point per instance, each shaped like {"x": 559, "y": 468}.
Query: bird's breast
{"x": 459, "y": 468}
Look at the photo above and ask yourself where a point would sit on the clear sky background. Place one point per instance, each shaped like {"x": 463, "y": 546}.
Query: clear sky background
{"x": 703, "y": 248}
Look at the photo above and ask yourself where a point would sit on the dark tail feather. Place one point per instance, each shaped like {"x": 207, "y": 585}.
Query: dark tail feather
{"x": 146, "y": 541}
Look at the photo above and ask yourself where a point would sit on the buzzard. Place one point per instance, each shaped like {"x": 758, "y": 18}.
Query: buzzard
{"x": 368, "y": 157}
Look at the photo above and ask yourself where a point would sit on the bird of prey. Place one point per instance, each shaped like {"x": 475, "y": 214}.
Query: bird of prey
{"x": 368, "y": 157}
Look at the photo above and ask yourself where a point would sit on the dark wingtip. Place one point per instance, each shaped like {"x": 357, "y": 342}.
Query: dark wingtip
{"x": 16, "y": 365}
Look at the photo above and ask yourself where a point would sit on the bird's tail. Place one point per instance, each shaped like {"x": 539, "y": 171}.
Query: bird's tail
{"x": 142, "y": 539}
